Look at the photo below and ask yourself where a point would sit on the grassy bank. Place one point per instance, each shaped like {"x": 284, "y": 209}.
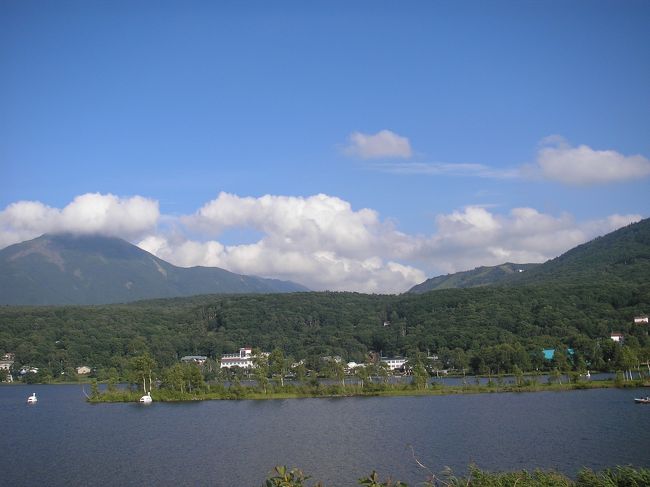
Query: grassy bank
{"x": 613, "y": 477}
{"x": 220, "y": 392}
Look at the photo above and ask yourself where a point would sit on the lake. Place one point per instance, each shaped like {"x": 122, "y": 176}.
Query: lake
{"x": 63, "y": 441}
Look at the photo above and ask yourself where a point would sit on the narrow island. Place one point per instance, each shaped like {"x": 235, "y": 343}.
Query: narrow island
{"x": 270, "y": 377}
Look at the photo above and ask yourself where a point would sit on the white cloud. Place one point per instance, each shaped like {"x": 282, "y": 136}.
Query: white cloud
{"x": 380, "y": 145}
{"x": 318, "y": 270}
{"x": 314, "y": 223}
{"x": 582, "y": 165}
{"x": 319, "y": 241}
{"x": 323, "y": 243}
{"x": 86, "y": 214}
{"x": 556, "y": 160}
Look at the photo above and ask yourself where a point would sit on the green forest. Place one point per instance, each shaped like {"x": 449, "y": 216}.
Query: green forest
{"x": 483, "y": 330}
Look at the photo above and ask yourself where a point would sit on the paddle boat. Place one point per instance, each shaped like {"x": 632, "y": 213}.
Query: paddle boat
{"x": 642, "y": 400}
{"x": 146, "y": 399}
{"x": 32, "y": 399}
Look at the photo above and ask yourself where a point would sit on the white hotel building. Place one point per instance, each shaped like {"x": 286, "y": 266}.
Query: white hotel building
{"x": 243, "y": 359}
{"x": 394, "y": 363}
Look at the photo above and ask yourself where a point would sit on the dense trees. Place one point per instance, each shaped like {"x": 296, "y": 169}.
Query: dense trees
{"x": 485, "y": 330}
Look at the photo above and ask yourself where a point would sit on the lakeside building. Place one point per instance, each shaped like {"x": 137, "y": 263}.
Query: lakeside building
{"x": 7, "y": 361}
{"x": 394, "y": 363}
{"x": 639, "y": 320}
{"x": 83, "y": 370}
{"x": 243, "y": 359}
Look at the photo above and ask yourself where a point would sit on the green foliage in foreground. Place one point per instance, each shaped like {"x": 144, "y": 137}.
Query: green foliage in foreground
{"x": 616, "y": 477}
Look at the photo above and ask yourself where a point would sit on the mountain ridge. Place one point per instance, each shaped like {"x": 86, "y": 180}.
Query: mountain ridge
{"x": 57, "y": 269}
{"x": 620, "y": 255}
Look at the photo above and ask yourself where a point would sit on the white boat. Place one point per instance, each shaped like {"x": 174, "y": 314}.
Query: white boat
{"x": 146, "y": 399}
{"x": 32, "y": 399}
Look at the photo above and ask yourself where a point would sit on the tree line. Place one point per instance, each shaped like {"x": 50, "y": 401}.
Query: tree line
{"x": 490, "y": 330}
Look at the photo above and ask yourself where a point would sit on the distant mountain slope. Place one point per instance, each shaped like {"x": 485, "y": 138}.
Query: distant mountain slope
{"x": 69, "y": 269}
{"x": 481, "y": 276}
{"x": 620, "y": 255}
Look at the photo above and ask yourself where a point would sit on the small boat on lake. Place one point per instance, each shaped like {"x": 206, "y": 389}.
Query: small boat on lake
{"x": 32, "y": 399}
{"x": 146, "y": 399}
{"x": 642, "y": 400}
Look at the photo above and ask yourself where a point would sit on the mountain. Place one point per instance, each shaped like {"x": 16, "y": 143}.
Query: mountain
{"x": 481, "y": 276}
{"x": 622, "y": 255}
{"x": 91, "y": 269}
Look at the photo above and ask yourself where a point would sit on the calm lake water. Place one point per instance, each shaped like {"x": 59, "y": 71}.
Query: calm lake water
{"x": 62, "y": 441}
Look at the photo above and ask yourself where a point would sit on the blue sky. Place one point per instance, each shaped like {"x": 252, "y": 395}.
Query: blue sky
{"x": 160, "y": 107}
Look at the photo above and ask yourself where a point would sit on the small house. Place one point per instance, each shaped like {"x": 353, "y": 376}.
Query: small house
{"x": 617, "y": 337}
{"x": 83, "y": 370}
{"x": 640, "y": 320}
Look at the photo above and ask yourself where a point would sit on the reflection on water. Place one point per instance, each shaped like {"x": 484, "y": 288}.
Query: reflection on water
{"x": 64, "y": 441}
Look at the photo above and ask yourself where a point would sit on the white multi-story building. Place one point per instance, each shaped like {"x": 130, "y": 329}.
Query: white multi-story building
{"x": 7, "y": 361}
{"x": 243, "y": 359}
{"x": 394, "y": 363}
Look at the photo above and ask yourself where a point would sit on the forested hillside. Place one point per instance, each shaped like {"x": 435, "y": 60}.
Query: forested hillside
{"x": 574, "y": 301}
{"x": 490, "y": 328}
{"x": 622, "y": 256}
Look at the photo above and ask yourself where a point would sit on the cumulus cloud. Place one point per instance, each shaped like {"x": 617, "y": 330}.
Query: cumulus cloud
{"x": 322, "y": 242}
{"x": 558, "y": 161}
{"x": 315, "y": 223}
{"x": 90, "y": 213}
{"x": 319, "y": 241}
{"x": 318, "y": 270}
{"x": 380, "y": 145}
